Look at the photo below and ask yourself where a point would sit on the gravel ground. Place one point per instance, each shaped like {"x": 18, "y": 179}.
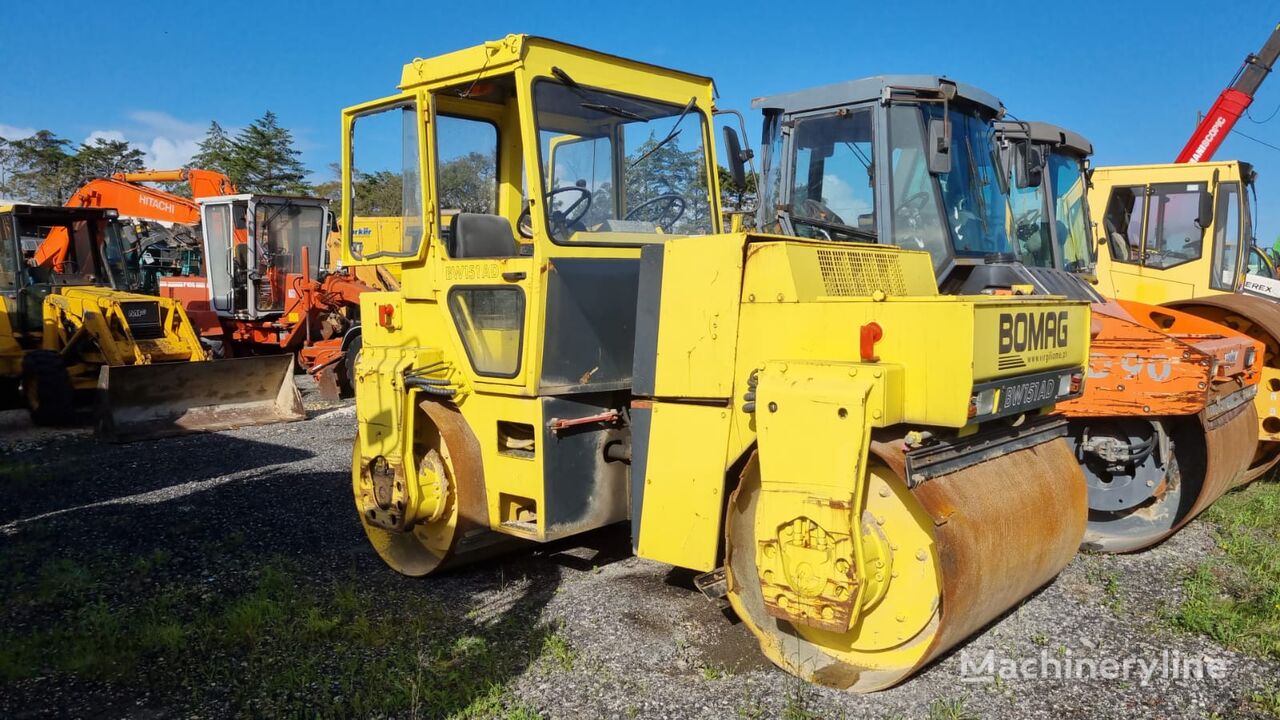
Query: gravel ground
{"x": 641, "y": 642}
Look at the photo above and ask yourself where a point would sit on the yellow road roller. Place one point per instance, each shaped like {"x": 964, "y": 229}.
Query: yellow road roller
{"x": 1180, "y": 235}
{"x": 864, "y": 468}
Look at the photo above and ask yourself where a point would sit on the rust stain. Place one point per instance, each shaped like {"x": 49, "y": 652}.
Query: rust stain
{"x": 1151, "y": 361}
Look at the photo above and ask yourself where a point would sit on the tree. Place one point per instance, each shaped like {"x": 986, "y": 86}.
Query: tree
{"x": 654, "y": 171}
{"x": 216, "y": 152}
{"x": 41, "y": 169}
{"x": 379, "y": 194}
{"x": 467, "y": 183}
{"x": 264, "y": 160}
{"x": 331, "y": 189}
{"x": 7, "y": 165}
{"x": 106, "y": 157}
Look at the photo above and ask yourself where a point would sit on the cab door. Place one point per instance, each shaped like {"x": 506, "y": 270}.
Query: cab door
{"x": 484, "y": 267}
{"x": 220, "y": 256}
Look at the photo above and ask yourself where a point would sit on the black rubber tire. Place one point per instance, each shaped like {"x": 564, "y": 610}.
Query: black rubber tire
{"x": 10, "y": 397}
{"x": 47, "y": 388}
{"x": 347, "y": 379}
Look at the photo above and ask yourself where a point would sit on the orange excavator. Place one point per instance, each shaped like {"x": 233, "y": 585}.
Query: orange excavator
{"x": 248, "y": 268}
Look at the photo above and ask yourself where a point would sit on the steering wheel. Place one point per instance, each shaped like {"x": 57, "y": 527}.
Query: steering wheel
{"x": 561, "y": 220}
{"x": 1028, "y": 224}
{"x": 915, "y": 201}
{"x": 672, "y": 204}
{"x": 818, "y": 210}
{"x": 908, "y": 214}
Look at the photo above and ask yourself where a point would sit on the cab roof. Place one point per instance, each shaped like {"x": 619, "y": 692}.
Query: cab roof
{"x": 1241, "y": 166}
{"x": 297, "y": 199}
{"x": 1047, "y": 133}
{"x": 510, "y": 50}
{"x": 71, "y": 213}
{"x": 872, "y": 88}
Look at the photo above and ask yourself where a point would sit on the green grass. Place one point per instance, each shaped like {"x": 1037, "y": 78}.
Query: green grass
{"x": 798, "y": 705}
{"x": 950, "y": 709}
{"x": 1235, "y": 598}
{"x": 558, "y": 650}
{"x": 279, "y": 643}
{"x": 1267, "y": 700}
{"x": 24, "y": 475}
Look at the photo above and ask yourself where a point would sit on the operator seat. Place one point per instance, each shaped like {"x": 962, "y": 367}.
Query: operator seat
{"x": 479, "y": 235}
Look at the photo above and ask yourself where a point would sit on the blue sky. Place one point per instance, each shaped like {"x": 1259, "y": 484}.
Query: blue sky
{"x": 1130, "y": 76}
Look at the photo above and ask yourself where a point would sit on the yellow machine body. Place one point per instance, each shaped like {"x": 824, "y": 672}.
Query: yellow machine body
{"x": 1143, "y": 261}
{"x": 1179, "y": 235}
{"x": 139, "y": 354}
{"x": 851, "y": 454}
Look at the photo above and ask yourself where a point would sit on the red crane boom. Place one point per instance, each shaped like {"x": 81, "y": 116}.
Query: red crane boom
{"x": 1232, "y": 103}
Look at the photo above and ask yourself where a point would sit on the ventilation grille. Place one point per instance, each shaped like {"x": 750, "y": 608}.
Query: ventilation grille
{"x": 860, "y": 273}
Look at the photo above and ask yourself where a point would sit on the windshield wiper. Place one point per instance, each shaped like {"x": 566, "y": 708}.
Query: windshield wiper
{"x": 611, "y": 110}
{"x": 836, "y": 227}
{"x": 588, "y": 103}
{"x": 672, "y": 134}
{"x": 276, "y": 213}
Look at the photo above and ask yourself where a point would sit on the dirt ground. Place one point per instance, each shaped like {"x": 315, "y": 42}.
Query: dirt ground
{"x": 227, "y": 573}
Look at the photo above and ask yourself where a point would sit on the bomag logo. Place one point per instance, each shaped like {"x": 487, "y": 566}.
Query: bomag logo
{"x": 135, "y": 313}
{"x": 1032, "y": 337}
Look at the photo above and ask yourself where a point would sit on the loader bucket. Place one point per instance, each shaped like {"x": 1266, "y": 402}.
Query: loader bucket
{"x": 136, "y": 402}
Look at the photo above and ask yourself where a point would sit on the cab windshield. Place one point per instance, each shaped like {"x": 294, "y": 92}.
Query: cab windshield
{"x": 620, "y": 169}
{"x": 959, "y": 213}
{"x": 94, "y": 251}
{"x": 283, "y": 229}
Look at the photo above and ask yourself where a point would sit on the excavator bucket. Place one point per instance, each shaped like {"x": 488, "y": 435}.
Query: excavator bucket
{"x": 138, "y": 402}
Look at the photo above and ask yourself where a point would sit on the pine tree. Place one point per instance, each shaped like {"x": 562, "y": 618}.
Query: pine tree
{"x": 106, "y": 157}
{"x": 42, "y": 170}
{"x": 265, "y": 161}
{"x": 216, "y": 152}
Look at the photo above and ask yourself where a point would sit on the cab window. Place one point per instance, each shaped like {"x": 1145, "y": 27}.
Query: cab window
{"x": 620, "y": 169}
{"x": 917, "y": 219}
{"x": 1123, "y": 224}
{"x": 1070, "y": 219}
{"x": 8, "y": 256}
{"x": 832, "y": 194}
{"x": 1030, "y": 226}
{"x": 1173, "y": 234}
{"x": 385, "y": 180}
{"x": 1227, "y": 239}
{"x": 467, "y": 186}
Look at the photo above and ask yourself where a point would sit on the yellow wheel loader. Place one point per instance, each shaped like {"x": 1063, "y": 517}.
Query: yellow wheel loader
{"x": 864, "y": 468}
{"x": 66, "y": 331}
{"x": 1179, "y": 235}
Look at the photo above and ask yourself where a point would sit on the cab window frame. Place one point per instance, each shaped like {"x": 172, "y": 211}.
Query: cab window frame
{"x": 417, "y": 101}
{"x": 1225, "y": 192}
{"x": 1154, "y": 191}
{"x": 1140, "y": 207}
{"x": 445, "y": 231}
{"x": 706, "y": 132}
{"x": 450, "y": 305}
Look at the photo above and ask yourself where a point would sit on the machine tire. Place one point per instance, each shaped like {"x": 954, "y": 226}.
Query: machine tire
{"x": 347, "y": 378}
{"x": 47, "y": 388}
